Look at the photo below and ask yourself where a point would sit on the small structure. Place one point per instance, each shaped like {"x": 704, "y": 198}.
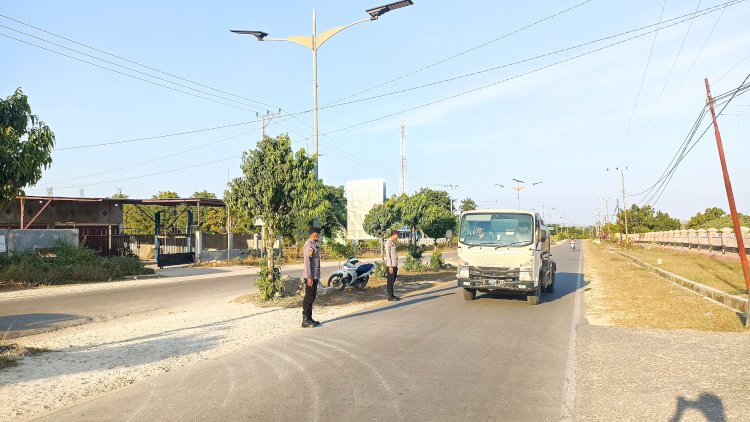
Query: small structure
{"x": 361, "y": 197}
{"x": 100, "y": 222}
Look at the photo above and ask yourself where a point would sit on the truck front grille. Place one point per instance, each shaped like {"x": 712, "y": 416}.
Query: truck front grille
{"x": 496, "y": 273}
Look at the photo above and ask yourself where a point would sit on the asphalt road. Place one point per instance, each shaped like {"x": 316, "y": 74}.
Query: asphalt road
{"x": 432, "y": 356}
{"x": 35, "y": 314}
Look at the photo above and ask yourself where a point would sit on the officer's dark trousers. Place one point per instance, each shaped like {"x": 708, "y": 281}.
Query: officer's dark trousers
{"x": 307, "y": 302}
{"x": 390, "y": 279}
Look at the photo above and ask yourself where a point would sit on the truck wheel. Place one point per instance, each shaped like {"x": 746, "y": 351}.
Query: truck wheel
{"x": 533, "y": 298}
{"x": 470, "y": 294}
{"x": 551, "y": 287}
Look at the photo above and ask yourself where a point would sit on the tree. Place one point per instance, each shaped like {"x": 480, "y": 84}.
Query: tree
{"x": 329, "y": 208}
{"x": 26, "y": 145}
{"x": 436, "y": 221}
{"x": 700, "y": 219}
{"x": 212, "y": 219}
{"x": 467, "y": 204}
{"x": 278, "y": 186}
{"x": 381, "y": 219}
{"x": 647, "y": 219}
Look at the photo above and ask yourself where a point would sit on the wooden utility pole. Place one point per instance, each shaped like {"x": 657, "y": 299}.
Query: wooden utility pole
{"x": 732, "y": 206}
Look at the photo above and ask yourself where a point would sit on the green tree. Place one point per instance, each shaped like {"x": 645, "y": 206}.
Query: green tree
{"x": 702, "y": 218}
{"x": 212, "y": 219}
{"x": 436, "y": 221}
{"x": 329, "y": 208}
{"x": 646, "y": 219}
{"x": 381, "y": 219}
{"x": 278, "y": 186}
{"x": 467, "y": 204}
{"x": 26, "y": 145}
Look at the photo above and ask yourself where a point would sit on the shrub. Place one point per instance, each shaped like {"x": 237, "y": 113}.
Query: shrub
{"x": 70, "y": 264}
{"x": 341, "y": 250}
{"x": 415, "y": 251}
{"x": 380, "y": 269}
{"x": 414, "y": 265}
{"x": 269, "y": 285}
{"x": 436, "y": 260}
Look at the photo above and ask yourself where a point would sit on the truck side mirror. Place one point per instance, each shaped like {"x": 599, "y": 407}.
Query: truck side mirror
{"x": 542, "y": 236}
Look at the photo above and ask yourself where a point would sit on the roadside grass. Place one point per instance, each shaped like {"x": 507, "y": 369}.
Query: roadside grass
{"x": 721, "y": 275}
{"x": 11, "y": 352}
{"x": 67, "y": 264}
{"x": 374, "y": 291}
{"x": 619, "y": 293}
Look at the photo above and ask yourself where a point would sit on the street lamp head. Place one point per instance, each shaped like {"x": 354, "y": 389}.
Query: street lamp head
{"x": 536, "y": 183}
{"x": 379, "y": 11}
{"x": 257, "y": 34}
{"x": 519, "y": 181}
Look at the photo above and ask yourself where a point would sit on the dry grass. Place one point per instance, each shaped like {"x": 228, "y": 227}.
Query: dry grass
{"x": 725, "y": 276}
{"x": 620, "y": 293}
{"x": 9, "y": 354}
{"x": 374, "y": 292}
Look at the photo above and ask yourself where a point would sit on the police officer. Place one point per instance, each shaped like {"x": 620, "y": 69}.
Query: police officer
{"x": 391, "y": 262}
{"x": 311, "y": 276}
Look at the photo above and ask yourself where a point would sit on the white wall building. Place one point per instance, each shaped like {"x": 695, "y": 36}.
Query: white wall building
{"x": 361, "y": 197}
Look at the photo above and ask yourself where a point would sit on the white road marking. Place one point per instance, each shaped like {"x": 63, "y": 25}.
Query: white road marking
{"x": 569, "y": 389}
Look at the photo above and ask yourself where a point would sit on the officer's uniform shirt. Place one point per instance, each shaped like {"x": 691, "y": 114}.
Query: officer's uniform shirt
{"x": 312, "y": 260}
{"x": 391, "y": 258}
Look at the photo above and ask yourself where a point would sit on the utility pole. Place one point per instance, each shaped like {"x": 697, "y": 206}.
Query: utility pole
{"x": 266, "y": 119}
{"x": 732, "y": 206}
{"x": 598, "y": 224}
{"x": 451, "y": 187}
{"x": 625, "y": 206}
{"x": 403, "y": 157}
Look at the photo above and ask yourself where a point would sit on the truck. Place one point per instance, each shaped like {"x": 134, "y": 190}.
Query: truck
{"x": 501, "y": 250}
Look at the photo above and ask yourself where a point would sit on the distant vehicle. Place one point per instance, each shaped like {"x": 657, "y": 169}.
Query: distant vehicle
{"x": 505, "y": 250}
{"x": 572, "y": 244}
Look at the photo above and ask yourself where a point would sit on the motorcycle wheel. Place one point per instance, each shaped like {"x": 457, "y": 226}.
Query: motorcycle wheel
{"x": 336, "y": 281}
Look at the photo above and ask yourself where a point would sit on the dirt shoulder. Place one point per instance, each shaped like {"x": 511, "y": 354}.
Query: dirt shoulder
{"x": 655, "y": 351}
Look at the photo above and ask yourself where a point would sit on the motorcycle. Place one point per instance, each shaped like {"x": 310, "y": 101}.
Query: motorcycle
{"x": 351, "y": 274}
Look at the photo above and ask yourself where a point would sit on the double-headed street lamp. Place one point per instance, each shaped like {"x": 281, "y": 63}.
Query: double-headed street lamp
{"x": 518, "y": 189}
{"x": 314, "y": 42}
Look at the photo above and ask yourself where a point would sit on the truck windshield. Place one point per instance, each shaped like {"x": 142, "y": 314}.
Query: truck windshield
{"x": 496, "y": 229}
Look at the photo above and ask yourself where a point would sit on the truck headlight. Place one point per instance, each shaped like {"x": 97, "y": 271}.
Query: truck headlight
{"x": 463, "y": 272}
{"x": 526, "y": 271}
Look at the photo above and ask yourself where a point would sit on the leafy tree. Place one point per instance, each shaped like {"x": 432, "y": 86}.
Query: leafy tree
{"x": 436, "y": 221}
{"x": 468, "y": 204}
{"x": 700, "y": 219}
{"x": 381, "y": 219}
{"x": 646, "y": 219}
{"x": 26, "y": 145}
{"x": 278, "y": 186}
{"x": 329, "y": 208}
{"x": 212, "y": 219}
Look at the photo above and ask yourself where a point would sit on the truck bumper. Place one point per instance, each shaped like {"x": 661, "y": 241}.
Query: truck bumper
{"x": 499, "y": 285}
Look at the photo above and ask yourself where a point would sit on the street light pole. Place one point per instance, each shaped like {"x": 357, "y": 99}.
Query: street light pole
{"x": 314, "y": 42}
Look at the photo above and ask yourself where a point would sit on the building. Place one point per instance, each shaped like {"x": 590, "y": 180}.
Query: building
{"x": 361, "y": 197}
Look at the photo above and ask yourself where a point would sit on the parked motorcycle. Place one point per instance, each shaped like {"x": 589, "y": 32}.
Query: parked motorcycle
{"x": 351, "y": 274}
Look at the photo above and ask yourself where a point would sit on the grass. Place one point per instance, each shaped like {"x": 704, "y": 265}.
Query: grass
{"x": 374, "y": 291}
{"x": 9, "y": 354}
{"x": 722, "y": 275}
{"x": 622, "y": 294}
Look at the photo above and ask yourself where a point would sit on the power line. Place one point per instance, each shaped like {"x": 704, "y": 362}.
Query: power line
{"x": 131, "y": 61}
{"x": 643, "y": 79}
{"x": 463, "y": 52}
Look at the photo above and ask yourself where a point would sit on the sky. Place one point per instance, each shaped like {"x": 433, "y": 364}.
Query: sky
{"x": 485, "y": 92}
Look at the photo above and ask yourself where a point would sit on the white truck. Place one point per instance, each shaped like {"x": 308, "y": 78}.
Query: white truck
{"x": 505, "y": 251}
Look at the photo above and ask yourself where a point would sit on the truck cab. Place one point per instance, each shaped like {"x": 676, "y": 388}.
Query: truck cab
{"x": 505, "y": 251}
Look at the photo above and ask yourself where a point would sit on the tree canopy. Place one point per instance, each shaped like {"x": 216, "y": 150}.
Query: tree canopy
{"x": 467, "y": 204}
{"x": 647, "y": 219}
{"x": 702, "y": 218}
{"x": 26, "y": 145}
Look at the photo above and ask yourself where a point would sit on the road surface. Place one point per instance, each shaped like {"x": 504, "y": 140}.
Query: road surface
{"x": 35, "y": 314}
{"x": 432, "y": 356}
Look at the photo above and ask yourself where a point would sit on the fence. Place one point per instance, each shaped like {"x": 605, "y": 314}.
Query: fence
{"x": 16, "y": 242}
{"x": 710, "y": 240}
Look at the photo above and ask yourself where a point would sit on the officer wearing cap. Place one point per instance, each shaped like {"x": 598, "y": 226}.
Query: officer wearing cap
{"x": 311, "y": 276}
{"x": 391, "y": 263}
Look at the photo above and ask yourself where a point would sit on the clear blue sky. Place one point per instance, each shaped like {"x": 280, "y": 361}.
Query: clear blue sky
{"x": 564, "y": 125}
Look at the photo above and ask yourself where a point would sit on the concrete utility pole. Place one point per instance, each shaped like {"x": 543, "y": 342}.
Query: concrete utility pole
{"x": 451, "y": 187}
{"x": 266, "y": 119}
{"x": 732, "y": 206}
{"x": 402, "y": 129}
{"x": 625, "y": 206}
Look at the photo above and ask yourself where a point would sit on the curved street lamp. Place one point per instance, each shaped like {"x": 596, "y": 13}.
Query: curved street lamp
{"x": 314, "y": 42}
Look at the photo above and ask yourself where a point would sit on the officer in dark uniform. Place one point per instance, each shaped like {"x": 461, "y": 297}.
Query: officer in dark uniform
{"x": 311, "y": 276}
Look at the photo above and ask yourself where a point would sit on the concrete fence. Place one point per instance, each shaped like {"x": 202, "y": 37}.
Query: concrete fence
{"x": 16, "y": 242}
{"x": 710, "y": 240}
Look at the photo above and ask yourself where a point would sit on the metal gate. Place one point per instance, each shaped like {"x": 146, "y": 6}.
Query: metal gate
{"x": 174, "y": 247}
